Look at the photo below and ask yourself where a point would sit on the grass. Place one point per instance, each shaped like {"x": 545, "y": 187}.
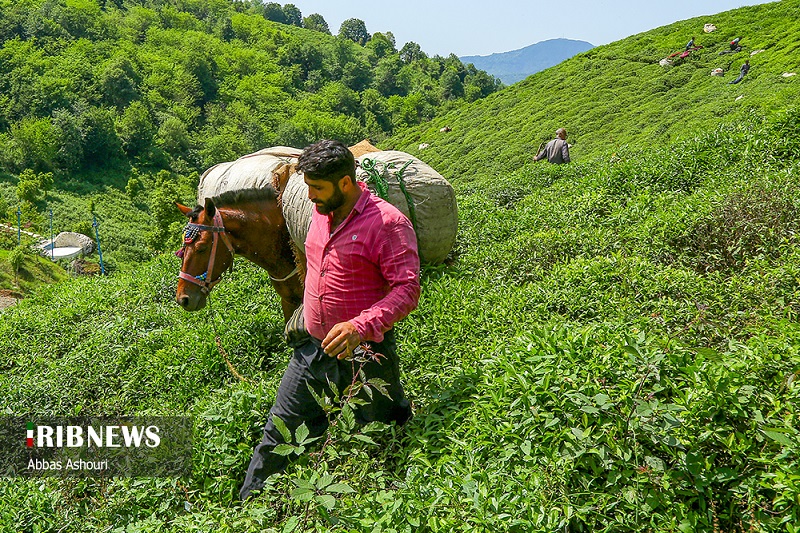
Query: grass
{"x": 612, "y": 347}
{"x": 34, "y": 272}
{"x": 583, "y": 364}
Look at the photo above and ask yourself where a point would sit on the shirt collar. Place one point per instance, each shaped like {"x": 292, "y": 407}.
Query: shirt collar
{"x": 363, "y": 199}
{"x": 361, "y": 203}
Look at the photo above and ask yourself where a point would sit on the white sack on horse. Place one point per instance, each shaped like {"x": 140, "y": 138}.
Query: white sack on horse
{"x": 432, "y": 197}
{"x": 248, "y": 172}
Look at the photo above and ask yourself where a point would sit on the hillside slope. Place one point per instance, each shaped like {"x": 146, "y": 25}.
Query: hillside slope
{"x": 182, "y": 86}
{"x": 613, "y": 347}
{"x": 617, "y": 95}
{"x": 611, "y": 350}
{"x": 517, "y": 65}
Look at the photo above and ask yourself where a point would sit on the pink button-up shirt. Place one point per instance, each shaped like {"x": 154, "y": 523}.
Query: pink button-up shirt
{"x": 366, "y": 271}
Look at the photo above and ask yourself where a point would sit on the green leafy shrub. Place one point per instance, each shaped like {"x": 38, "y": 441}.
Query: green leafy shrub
{"x": 16, "y": 258}
{"x": 758, "y": 221}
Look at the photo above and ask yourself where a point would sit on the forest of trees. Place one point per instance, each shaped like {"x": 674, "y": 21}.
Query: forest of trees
{"x": 181, "y": 85}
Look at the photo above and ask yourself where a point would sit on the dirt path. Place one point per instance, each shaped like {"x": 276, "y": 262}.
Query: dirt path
{"x": 7, "y": 299}
{"x": 12, "y": 228}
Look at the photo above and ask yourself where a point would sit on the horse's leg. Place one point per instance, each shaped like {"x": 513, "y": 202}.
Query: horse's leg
{"x": 291, "y": 293}
{"x": 291, "y": 290}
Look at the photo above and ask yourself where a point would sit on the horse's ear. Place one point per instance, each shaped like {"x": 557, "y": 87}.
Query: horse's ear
{"x": 210, "y": 207}
{"x": 183, "y": 209}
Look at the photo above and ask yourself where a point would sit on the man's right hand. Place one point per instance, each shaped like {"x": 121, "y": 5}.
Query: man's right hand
{"x": 341, "y": 340}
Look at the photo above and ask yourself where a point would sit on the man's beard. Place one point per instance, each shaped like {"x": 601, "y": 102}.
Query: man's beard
{"x": 332, "y": 204}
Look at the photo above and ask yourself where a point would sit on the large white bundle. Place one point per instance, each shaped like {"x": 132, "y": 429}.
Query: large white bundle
{"x": 433, "y": 198}
{"x": 249, "y": 171}
{"x": 297, "y": 209}
{"x": 436, "y": 211}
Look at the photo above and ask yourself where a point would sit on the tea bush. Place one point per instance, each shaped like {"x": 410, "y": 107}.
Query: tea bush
{"x": 572, "y": 367}
{"x": 612, "y": 346}
{"x": 759, "y": 221}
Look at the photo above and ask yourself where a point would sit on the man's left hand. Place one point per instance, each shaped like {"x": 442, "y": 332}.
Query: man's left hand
{"x": 341, "y": 340}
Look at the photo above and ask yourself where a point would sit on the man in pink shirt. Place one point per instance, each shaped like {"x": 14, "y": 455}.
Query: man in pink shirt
{"x": 362, "y": 277}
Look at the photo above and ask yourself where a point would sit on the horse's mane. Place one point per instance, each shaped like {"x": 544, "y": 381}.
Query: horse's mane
{"x": 232, "y": 198}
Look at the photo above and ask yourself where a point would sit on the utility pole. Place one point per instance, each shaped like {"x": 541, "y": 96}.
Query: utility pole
{"x": 52, "y": 242}
{"x": 99, "y": 250}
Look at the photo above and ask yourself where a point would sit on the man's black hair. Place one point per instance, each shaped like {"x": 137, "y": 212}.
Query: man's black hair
{"x": 327, "y": 160}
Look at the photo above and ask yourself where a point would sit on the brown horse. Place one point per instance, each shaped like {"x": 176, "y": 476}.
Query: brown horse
{"x": 249, "y": 223}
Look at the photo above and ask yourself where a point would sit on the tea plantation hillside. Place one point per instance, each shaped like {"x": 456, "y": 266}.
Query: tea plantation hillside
{"x": 614, "y": 346}
{"x": 611, "y": 349}
{"x": 618, "y": 96}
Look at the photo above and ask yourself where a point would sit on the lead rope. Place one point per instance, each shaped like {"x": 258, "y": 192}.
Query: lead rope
{"x": 222, "y": 351}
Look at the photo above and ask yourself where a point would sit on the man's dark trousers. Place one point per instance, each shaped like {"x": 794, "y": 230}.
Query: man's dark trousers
{"x": 294, "y": 403}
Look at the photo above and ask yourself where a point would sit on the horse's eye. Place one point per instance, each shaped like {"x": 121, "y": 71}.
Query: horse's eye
{"x": 201, "y": 249}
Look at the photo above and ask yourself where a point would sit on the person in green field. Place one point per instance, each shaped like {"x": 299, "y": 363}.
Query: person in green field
{"x": 557, "y": 150}
{"x": 742, "y": 72}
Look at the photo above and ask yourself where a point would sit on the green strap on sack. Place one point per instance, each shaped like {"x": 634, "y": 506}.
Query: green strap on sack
{"x": 375, "y": 177}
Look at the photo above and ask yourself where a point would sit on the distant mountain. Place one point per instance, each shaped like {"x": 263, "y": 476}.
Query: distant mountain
{"x": 617, "y": 97}
{"x": 517, "y": 65}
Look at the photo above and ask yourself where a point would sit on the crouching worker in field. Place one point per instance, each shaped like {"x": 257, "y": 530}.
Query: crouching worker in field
{"x": 745, "y": 68}
{"x": 557, "y": 150}
{"x": 362, "y": 277}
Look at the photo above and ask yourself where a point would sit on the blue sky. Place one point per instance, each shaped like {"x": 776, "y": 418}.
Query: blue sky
{"x": 468, "y": 27}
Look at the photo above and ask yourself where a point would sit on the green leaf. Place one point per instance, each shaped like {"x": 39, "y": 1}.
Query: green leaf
{"x": 283, "y": 449}
{"x": 347, "y": 418}
{"x": 526, "y": 447}
{"x": 326, "y": 500}
{"x": 321, "y": 399}
{"x": 301, "y": 434}
{"x": 323, "y": 481}
{"x": 364, "y": 438}
{"x": 709, "y": 354}
{"x": 291, "y": 524}
{"x": 334, "y": 389}
{"x": 379, "y": 384}
{"x": 778, "y": 435}
{"x": 602, "y": 399}
{"x": 633, "y": 350}
{"x": 669, "y": 440}
{"x": 655, "y": 463}
{"x": 339, "y": 488}
{"x": 280, "y": 425}
{"x": 303, "y": 494}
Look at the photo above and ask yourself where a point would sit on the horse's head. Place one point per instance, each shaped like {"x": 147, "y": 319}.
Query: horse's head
{"x": 203, "y": 260}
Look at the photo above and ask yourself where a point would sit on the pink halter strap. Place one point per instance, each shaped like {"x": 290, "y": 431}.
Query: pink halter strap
{"x": 218, "y": 229}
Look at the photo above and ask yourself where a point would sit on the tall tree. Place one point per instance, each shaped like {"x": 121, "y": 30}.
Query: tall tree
{"x": 355, "y": 30}
{"x": 274, "y": 12}
{"x": 381, "y": 45}
{"x": 411, "y": 51}
{"x": 451, "y": 84}
{"x": 135, "y": 129}
{"x": 293, "y": 15}
{"x": 316, "y": 22}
